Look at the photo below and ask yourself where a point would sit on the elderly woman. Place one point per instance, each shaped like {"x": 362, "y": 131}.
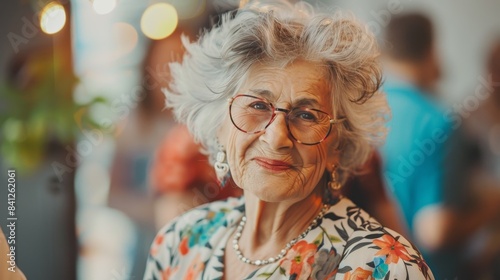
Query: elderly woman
{"x": 286, "y": 102}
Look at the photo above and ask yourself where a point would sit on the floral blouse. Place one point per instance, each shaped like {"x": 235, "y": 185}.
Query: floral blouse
{"x": 346, "y": 244}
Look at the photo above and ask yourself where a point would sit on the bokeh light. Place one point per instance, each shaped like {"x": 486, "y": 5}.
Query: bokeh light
{"x": 52, "y": 18}
{"x": 159, "y": 21}
{"x": 103, "y": 7}
{"x": 127, "y": 38}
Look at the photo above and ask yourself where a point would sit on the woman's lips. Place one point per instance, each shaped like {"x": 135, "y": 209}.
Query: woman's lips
{"x": 273, "y": 165}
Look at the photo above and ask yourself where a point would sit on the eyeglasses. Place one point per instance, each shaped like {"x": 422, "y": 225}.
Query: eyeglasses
{"x": 251, "y": 114}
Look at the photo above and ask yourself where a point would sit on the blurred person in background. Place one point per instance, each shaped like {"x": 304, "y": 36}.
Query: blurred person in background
{"x": 483, "y": 126}
{"x": 182, "y": 178}
{"x": 484, "y": 123}
{"x": 427, "y": 161}
{"x": 412, "y": 71}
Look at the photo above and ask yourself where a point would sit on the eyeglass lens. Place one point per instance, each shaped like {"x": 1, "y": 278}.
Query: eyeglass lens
{"x": 251, "y": 114}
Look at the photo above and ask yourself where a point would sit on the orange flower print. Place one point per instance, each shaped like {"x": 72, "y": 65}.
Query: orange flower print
{"x": 391, "y": 248}
{"x": 359, "y": 274}
{"x": 299, "y": 260}
{"x": 183, "y": 247}
{"x": 195, "y": 268}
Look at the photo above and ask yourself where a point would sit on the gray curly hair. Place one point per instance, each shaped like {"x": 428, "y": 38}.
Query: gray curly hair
{"x": 214, "y": 68}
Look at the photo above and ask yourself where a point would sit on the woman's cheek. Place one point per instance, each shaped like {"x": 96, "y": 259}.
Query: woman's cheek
{"x": 239, "y": 145}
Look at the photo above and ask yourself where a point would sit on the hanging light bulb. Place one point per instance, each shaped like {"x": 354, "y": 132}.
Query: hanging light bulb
{"x": 52, "y": 18}
{"x": 159, "y": 21}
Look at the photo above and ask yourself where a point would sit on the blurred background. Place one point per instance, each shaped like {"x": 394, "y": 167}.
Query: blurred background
{"x": 83, "y": 124}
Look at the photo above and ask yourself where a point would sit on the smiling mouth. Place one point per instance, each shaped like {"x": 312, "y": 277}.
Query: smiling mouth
{"x": 273, "y": 165}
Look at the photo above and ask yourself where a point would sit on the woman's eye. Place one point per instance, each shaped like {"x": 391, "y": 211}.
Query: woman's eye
{"x": 307, "y": 116}
{"x": 260, "y": 106}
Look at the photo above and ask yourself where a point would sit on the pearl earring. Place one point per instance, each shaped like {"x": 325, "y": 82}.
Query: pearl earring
{"x": 334, "y": 184}
{"x": 221, "y": 167}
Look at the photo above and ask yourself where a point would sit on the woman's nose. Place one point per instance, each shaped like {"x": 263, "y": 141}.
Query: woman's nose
{"x": 276, "y": 134}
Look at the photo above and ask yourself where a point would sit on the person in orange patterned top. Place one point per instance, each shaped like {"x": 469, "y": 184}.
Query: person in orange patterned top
{"x": 182, "y": 177}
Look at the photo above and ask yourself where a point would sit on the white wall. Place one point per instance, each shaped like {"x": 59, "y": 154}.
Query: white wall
{"x": 465, "y": 30}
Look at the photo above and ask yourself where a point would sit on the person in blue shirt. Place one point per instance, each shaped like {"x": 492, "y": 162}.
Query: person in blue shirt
{"x": 422, "y": 162}
{"x": 414, "y": 150}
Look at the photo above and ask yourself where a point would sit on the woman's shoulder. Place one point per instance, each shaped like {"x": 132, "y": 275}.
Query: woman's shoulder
{"x": 371, "y": 249}
{"x": 191, "y": 236}
{"x": 351, "y": 224}
{"x": 347, "y": 217}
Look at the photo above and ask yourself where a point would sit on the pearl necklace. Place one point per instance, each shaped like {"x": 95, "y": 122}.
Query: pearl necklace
{"x": 283, "y": 252}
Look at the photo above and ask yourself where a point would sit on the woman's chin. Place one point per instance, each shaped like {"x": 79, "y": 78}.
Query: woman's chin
{"x": 271, "y": 187}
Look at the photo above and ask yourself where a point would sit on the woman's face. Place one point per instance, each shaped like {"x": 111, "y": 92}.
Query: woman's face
{"x": 271, "y": 164}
